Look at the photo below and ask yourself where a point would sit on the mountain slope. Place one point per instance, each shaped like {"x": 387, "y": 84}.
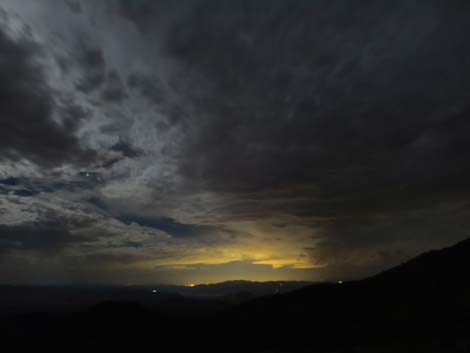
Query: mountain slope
{"x": 448, "y": 265}
{"x": 424, "y": 302}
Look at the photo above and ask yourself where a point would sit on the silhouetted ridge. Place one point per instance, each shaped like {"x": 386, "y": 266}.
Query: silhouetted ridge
{"x": 433, "y": 267}
{"x": 420, "y": 305}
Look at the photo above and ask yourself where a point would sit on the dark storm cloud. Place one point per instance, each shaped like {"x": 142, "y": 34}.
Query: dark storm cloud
{"x": 26, "y": 109}
{"x": 363, "y": 101}
{"x": 45, "y": 237}
{"x": 340, "y": 123}
{"x": 356, "y": 111}
{"x": 329, "y": 93}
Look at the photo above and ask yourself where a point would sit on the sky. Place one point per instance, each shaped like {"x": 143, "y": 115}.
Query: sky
{"x": 195, "y": 141}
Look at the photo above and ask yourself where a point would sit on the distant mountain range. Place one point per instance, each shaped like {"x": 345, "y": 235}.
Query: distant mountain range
{"x": 422, "y": 305}
{"x": 22, "y": 299}
{"x": 231, "y": 288}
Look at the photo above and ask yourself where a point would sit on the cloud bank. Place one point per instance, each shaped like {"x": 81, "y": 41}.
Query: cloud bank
{"x": 192, "y": 141}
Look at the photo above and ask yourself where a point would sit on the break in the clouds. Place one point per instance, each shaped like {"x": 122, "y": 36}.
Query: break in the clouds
{"x": 193, "y": 141}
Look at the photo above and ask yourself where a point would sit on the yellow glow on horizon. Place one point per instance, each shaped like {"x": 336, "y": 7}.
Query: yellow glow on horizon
{"x": 266, "y": 245}
{"x": 258, "y": 252}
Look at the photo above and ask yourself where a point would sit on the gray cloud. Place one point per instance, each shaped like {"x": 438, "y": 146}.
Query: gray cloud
{"x": 28, "y": 129}
{"x": 43, "y": 237}
{"x": 114, "y": 90}
{"x": 92, "y": 63}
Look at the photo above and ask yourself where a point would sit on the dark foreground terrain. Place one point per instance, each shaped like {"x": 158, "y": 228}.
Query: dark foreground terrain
{"x": 420, "y": 306}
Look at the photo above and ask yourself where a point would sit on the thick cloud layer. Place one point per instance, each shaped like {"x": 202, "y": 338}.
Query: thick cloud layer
{"x": 307, "y": 139}
{"x": 309, "y": 92}
{"x": 27, "y": 108}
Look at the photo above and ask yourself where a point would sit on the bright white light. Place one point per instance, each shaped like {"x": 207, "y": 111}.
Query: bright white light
{"x": 340, "y": 282}
{"x": 154, "y": 291}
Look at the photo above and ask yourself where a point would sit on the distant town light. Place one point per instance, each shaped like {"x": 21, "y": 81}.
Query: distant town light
{"x": 340, "y": 282}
